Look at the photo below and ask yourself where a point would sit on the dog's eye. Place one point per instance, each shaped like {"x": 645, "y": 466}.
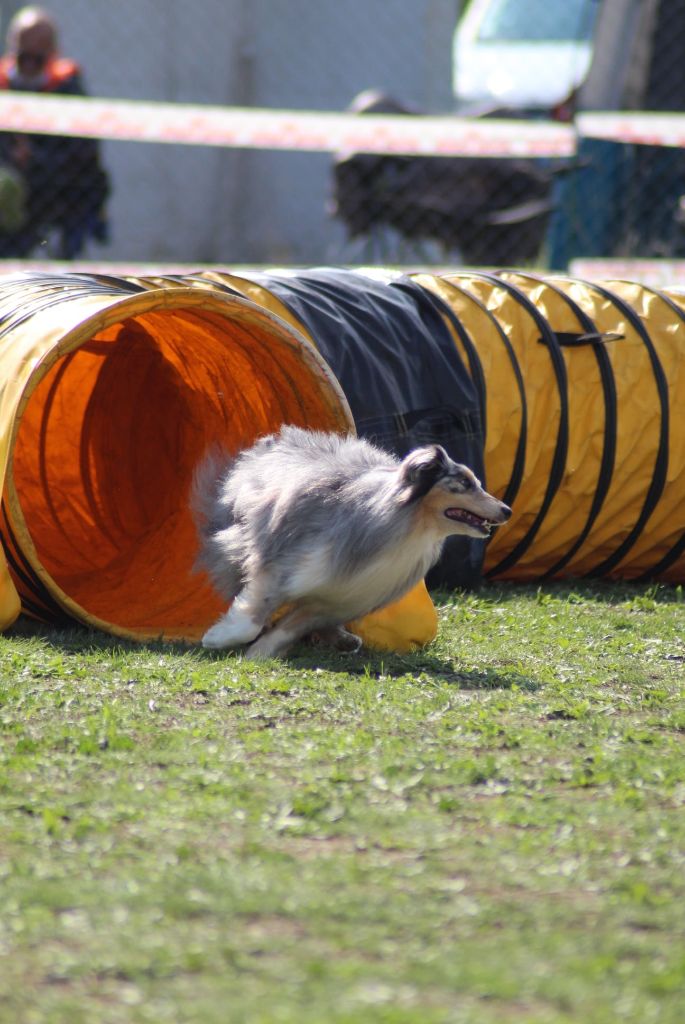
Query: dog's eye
{"x": 462, "y": 482}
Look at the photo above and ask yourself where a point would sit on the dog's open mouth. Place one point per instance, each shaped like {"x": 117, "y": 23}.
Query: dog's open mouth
{"x": 469, "y": 519}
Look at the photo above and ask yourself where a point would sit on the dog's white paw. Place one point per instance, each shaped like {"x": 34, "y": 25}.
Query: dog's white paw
{"x": 217, "y": 636}
{"x": 231, "y": 631}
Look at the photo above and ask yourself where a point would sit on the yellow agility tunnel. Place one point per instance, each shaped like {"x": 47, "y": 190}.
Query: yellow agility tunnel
{"x": 111, "y": 394}
{"x": 112, "y": 389}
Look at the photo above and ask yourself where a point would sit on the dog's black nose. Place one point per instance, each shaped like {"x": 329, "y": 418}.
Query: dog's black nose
{"x": 506, "y": 512}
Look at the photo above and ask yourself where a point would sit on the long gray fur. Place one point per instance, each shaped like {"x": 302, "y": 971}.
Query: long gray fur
{"x": 289, "y": 492}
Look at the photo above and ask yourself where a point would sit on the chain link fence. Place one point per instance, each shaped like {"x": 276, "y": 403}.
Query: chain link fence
{"x": 197, "y": 204}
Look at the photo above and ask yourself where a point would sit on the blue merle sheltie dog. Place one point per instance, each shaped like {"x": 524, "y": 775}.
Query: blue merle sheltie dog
{"x": 328, "y": 528}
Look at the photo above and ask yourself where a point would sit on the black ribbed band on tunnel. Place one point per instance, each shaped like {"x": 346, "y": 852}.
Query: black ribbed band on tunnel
{"x": 661, "y": 460}
{"x": 561, "y": 444}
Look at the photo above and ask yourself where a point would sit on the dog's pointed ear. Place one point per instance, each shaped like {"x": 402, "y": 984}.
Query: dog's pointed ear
{"x": 421, "y": 469}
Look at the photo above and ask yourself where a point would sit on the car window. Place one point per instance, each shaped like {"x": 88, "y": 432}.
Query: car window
{"x": 538, "y": 20}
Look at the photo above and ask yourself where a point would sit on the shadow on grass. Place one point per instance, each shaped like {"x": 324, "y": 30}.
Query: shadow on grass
{"x": 421, "y": 666}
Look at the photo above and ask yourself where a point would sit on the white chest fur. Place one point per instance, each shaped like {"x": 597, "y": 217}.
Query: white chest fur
{"x": 382, "y": 579}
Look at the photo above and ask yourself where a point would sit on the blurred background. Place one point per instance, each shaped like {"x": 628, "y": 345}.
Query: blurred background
{"x": 532, "y": 59}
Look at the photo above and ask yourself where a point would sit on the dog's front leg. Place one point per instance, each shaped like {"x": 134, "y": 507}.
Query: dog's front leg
{"x": 243, "y": 621}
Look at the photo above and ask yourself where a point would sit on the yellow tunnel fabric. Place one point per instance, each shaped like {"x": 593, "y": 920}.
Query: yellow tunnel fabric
{"x": 602, "y": 482}
{"x": 110, "y": 399}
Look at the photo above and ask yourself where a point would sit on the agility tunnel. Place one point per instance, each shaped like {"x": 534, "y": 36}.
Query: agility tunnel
{"x": 111, "y": 394}
{"x": 566, "y": 396}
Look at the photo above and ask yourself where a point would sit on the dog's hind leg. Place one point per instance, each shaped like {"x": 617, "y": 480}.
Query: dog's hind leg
{"x": 338, "y": 637}
{"x": 275, "y": 641}
{"x": 244, "y": 620}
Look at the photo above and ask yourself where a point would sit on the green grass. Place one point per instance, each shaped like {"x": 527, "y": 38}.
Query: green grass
{"x": 491, "y": 831}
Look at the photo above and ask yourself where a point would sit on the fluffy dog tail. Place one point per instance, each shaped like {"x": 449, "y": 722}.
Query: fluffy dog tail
{"x": 221, "y": 553}
{"x": 206, "y": 489}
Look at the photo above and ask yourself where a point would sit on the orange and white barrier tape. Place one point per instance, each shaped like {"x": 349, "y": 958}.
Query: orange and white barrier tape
{"x": 253, "y": 128}
{"x": 639, "y": 128}
{"x": 258, "y": 128}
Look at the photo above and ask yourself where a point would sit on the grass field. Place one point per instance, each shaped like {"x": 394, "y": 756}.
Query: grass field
{"x": 491, "y": 831}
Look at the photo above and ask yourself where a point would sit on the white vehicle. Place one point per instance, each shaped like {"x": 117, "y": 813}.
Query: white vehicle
{"x": 526, "y": 56}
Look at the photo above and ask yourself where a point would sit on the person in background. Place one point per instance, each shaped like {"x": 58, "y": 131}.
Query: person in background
{"x": 49, "y": 182}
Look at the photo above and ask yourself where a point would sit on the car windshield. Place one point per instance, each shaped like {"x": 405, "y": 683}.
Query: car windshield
{"x": 538, "y": 21}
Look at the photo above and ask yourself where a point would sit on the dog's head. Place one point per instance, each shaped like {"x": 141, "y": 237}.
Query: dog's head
{"x": 450, "y": 493}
